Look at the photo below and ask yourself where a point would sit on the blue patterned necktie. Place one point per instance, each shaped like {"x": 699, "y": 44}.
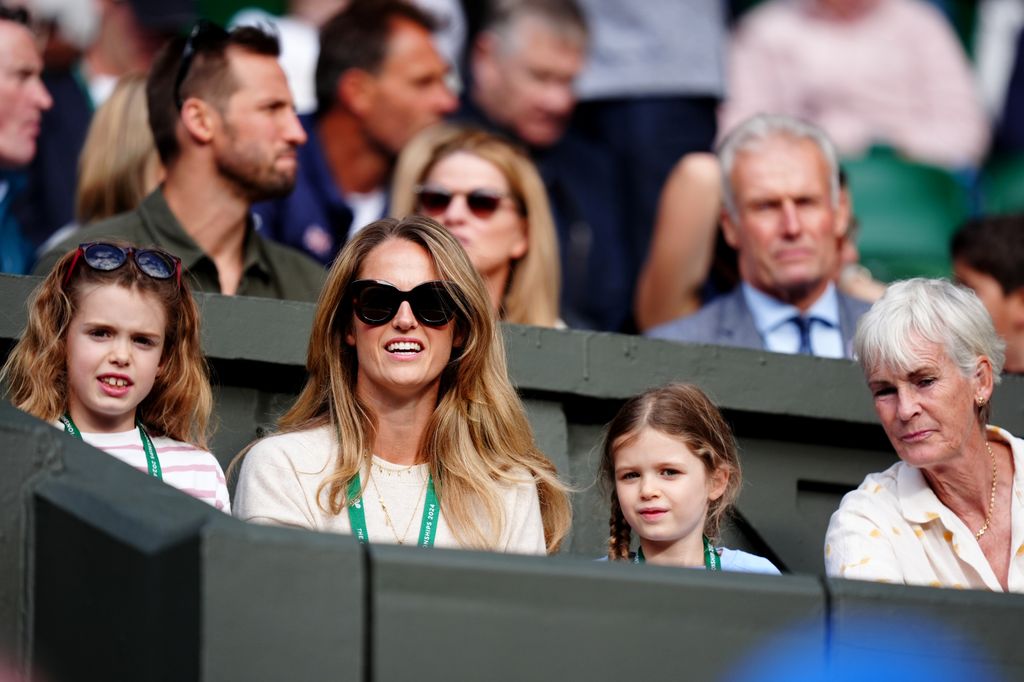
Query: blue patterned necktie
{"x": 804, "y": 325}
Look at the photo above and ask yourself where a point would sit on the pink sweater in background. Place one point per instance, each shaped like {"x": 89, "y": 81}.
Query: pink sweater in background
{"x": 896, "y": 76}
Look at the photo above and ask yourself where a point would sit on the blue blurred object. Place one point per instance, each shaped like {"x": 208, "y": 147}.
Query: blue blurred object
{"x": 864, "y": 647}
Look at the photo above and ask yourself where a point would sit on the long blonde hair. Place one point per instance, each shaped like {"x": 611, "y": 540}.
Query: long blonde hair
{"x": 179, "y": 404}
{"x": 119, "y": 164}
{"x": 478, "y": 438}
{"x": 684, "y": 412}
{"x": 534, "y": 282}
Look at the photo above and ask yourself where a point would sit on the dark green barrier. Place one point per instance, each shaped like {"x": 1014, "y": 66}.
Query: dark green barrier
{"x": 111, "y": 574}
{"x": 446, "y": 615}
{"x": 28, "y": 449}
{"x": 115, "y": 583}
{"x": 974, "y": 633}
{"x": 281, "y": 604}
{"x": 117, "y": 576}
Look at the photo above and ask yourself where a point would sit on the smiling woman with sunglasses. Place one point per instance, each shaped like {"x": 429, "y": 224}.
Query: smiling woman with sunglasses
{"x": 408, "y": 430}
{"x": 489, "y": 195}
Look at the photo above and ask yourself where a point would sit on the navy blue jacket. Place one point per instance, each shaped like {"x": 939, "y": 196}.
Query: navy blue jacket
{"x": 49, "y": 202}
{"x": 1010, "y": 132}
{"x": 315, "y": 217}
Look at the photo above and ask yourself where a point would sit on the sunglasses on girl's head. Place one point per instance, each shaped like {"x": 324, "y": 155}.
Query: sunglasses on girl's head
{"x": 376, "y": 302}
{"x": 106, "y": 257}
{"x": 481, "y": 202}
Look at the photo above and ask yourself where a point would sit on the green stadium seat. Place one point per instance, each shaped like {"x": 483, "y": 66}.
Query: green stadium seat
{"x": 907, "y": 213}
{"x": 1002, "y": 184}
{"x": 221, "y": 11}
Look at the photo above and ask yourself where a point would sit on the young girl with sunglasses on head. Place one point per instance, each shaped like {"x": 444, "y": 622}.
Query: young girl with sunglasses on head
{"x": 671, "y": 464}
{"x": 111, "y": 355}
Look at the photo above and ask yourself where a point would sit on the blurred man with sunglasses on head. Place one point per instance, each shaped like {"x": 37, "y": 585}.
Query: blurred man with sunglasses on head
{"x": 379, "y": 81}
{"x": 226, "y": 131}
{"x": 23, "y": 98}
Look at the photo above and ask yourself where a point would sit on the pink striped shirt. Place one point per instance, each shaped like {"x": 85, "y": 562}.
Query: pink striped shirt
{"x": 186, "y": 467}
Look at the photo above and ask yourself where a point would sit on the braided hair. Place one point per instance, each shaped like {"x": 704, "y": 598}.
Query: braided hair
{"x": 685, "y": 412}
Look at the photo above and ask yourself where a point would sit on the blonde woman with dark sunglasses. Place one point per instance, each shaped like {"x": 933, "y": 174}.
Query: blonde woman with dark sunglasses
{"x": 408, "y": 430}
{"x": 488, "y": 193}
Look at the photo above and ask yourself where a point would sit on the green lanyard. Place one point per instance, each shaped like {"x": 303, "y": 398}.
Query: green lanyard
{"x": 357, "y": 518}
{"x": 712, "y": 561}
{"x": 152, "y": 461}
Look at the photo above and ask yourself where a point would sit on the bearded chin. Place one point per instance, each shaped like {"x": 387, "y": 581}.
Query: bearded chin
{"x": 254, "y": 185}
{"x": 277, "y": 189}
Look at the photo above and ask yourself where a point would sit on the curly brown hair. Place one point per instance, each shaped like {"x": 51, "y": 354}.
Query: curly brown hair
{"x": 179, "y": 404}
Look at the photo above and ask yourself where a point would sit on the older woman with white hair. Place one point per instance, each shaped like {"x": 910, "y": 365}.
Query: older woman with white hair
{"x": 951, "y": 512}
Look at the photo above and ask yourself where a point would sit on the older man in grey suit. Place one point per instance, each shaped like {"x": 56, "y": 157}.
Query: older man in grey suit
{"x": 785, "y": 216}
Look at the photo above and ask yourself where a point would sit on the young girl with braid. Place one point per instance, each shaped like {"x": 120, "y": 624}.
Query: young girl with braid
{"x": 670, "y": 462}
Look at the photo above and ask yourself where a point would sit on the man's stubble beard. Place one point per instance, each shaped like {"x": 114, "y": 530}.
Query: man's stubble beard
{"x": 244, "y": 167}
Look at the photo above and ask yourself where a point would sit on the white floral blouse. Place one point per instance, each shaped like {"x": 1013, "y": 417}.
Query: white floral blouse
{"x": 894, "y": 529}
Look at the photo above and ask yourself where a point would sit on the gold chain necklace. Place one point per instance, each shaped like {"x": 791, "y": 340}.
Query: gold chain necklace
{"x": 992, "y": 496}
{"x": 403, "y": 471}
{"x": 387, "y": 515}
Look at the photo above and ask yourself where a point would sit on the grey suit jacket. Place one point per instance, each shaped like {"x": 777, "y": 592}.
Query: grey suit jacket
{"x": 726, "y": 321}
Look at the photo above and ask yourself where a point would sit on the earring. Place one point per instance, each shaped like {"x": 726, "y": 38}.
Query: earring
{"x": 980, "y": 400}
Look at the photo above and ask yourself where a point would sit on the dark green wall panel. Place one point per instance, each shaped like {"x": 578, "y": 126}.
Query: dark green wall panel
{"x": 467, "y": 616}
{"x": 281, "y": 604}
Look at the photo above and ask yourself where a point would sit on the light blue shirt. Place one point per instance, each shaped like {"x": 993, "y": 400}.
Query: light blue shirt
{"x": 739, "y": 561}
{"x": 774, "y": 322}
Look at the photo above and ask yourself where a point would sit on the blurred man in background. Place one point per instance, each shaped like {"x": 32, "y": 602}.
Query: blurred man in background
{"x": 23, "y": 99}
{"x": 523, "y": 65}
{"x": 379, "y": 81}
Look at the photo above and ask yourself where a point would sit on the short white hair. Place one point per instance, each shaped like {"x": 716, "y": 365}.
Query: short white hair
{"x": 930, "y": 310}
{"x": 754, "y": 131}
